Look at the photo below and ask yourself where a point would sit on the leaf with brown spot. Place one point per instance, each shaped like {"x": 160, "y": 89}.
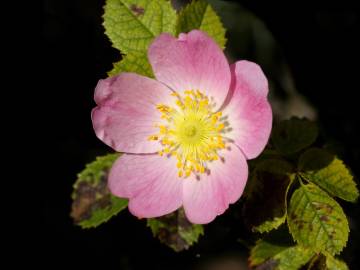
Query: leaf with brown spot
{"x": 316, "y": 220}
{"x": 93, "y": 204}
{"x": 175, "y": 230}
{"x": 137, "y": 10}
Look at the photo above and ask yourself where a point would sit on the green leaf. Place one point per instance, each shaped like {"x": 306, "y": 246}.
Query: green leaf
{"x": 269, "y": 225}
{"x": 133, "y": 62}
{"x": 175, "y": 230}
{"x": 329, "y": 172}
{"x": 265, "y": 205}
{"x": 263, "y": 251}
{"x": 200, "y": 15}
{"x": 316, "y": 220}
{"x": 131, "y": 25}
{"x": 268, "y": 255}
{"x": 335, "y": 264}
{"x": 293, "y": 258}
{"x": 291, "y": 136}
{"x": 92, "y": 202}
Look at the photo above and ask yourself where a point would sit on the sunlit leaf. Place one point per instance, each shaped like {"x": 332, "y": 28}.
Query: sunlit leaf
{"x": 329, "y": 172}
{"x": 131, "y": 25}
{"x": 133, "y": 62}
{"x": 200, "y": 15}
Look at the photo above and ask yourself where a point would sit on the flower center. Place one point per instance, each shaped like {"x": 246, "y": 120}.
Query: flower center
{"x": 192, "y": 132}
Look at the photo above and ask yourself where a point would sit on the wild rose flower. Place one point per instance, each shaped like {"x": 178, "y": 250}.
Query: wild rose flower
{"x": 187, "y": 134}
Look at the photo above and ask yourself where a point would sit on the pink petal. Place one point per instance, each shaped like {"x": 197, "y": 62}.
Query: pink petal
{"x": 210, "y": 196}
{"x": 149, "y": 181}
{"x": 249, "y": 112}
{"x": 194, "y": 61}
{"x": 126, "y": 112}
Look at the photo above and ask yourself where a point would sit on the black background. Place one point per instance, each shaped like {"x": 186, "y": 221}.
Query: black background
{"x": 321, "y": 45}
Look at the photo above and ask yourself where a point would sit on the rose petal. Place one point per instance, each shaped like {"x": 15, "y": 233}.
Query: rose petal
{"x": 194, "y": 61}
{"x": 248, "y": 111}
{"x": 126, "y": 112}
{"x": 149, "y": 181}
{"x": 210, "y": 196}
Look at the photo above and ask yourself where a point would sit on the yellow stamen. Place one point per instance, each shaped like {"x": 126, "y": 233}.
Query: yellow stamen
{"x": 220, "y": 127}
{"x": 153, "y": 138}
{"x": 192, "y": 132}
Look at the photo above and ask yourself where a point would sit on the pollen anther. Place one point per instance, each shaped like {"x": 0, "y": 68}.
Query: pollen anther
{"x": 192, "y": 132}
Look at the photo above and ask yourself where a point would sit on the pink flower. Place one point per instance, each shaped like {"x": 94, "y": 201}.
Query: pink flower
{"x": 185, "y": 136}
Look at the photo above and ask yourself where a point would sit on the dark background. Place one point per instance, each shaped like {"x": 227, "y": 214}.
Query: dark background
{"x": 321, "y": 47}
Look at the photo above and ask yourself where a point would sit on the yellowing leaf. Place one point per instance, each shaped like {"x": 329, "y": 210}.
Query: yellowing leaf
{"x": 264, "y": 250}
{"x": 329, "y": 172}
{"x": 293, "y": 258}
{"x": 335, "y": 264}
{"x": 316, "y": 220}
{"x": 268, "y": 255}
